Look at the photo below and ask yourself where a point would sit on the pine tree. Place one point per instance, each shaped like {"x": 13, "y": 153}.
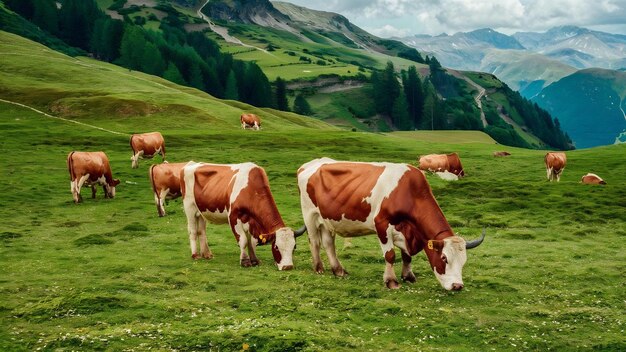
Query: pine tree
{"x": 386, "y": 89}
{"x": 172, "y": 74}
{"x": 301, "y": 106}
{"x": 152, "y": 62}
{"x": 45, "y": 15}
{"x": 132, "y": 47}
{"x": 400, "y": 114}
{"x": 231, "y": 91}
{"x": 195, "y": 77}
{"x": 414, "y": 95}
{"x": 281, "y": 95}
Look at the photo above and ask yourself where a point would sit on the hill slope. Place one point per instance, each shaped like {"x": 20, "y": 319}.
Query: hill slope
{"x": 590, "y": 105}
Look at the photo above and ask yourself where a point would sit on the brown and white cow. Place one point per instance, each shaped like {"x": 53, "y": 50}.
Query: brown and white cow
{"x": 250, "y": 120}
{"x": 392, "y": 200}
{"x": 441, "y": 163}
{"x": 555, "y": 164}
{"x": 239, "y": 195}
{"x": 90, "y": 169}
{"x": 146, "y": 146}
{"x": 501, "y": 154}
{"x": 165, "y": 180}
{"x": 592, "y": 179}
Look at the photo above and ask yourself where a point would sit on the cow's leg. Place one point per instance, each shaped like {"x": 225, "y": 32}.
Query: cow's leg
{"x": 407, "y": 272}
{"x": 328, "y": 239}
{"x": 558, "y": 175}
{"x": 389, "y": 277}
{"x": 79, "y": 185}
{"x": 315, "y": 242}
{"x": 74, "y": 189}
{"x": 205, "y": 251}
{"x": 194, "y": 224}
{"x": 243, "y": 240}
{"x": 135, "y": 159}
{"x": 159, "y": 198}
{"x": 93, "y": 191}
{"x": 549, "y": 173}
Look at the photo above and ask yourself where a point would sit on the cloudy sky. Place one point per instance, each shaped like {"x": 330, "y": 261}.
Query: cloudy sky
{"x": 387, "y": 18}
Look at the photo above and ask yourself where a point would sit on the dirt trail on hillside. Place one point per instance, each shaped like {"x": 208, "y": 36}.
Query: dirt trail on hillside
{"x": 63, "y": 119}
{"x": 478, "y": 97}
{"x": 223, "y": 32}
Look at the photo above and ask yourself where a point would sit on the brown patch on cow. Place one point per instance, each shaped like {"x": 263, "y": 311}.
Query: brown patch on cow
{"x": 592, "y": 179}
{"x": 213, "y": 186}
{"x": 340, "y": 189}
{"x": 148, "y": 142}
{"x": 250, "y": 119}
{"x": 390, "y": 256}
{"x": 442, "y": 162}
{"x": 555, "y": 160}
{"x": 255, "y": 205}
{"x": 164, "y": 176}
{"x": 454, "y": 164}
{"x": 96, "y": 164}
{"x": 412, "y": 209}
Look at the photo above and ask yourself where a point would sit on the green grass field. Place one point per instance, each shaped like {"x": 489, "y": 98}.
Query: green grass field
{"x": 108, "y": 274}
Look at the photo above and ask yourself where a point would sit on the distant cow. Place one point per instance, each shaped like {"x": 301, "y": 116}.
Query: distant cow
{"x": 592, "y": 179}
{"x": 250, "y": 120}
{"x": 442, "y": 162}
{"x": 146, "y": 146}
{"x": 239, "y": 195}
{"x": 165, "y": 180}
{"x": 394, "y": 201}
{"x": 501, "y": 154}
{"x": 90, "y": 169}
{"x": 555, "y": 164}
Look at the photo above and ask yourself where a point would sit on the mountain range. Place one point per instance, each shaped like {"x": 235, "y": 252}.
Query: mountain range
{"x": 562, "y": 68}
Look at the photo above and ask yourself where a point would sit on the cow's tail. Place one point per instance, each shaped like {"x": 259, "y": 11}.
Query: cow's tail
{"x": 151, "y": 174}
{"x": 163, "y": 151}
{"x": 131, "y": 145}
{"x": 70, "y": 165}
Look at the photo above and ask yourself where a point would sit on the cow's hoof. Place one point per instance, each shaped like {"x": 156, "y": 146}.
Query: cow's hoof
{"x": 410, "y": 277}
{"x": 195, "y": 256}
{"x": 392, "y": 284}
{"x": 340, "y": 272}
{"x": 255, "y": 262}
{"x": 207, "y": 255}
{"x": 319, "y": 268}
{"x": 246, "y": 263}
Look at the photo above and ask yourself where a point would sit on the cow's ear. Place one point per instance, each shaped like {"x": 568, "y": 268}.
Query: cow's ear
{"x": 436, "y": 245}
{"x": 116, "y": 182}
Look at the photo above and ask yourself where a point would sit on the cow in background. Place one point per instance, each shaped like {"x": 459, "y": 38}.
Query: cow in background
{"x": 392, "y": 200}
{"x": 238, "y": 195}
{"x": 250, "y": 120}
{"x": 501, "y": 154}
{"x": 592, "y": 179}
{"x": 165, "y": 180}
{"x": 146, "y": 146}
{"x": 442, "y": 162}
{"x": 90, "y": 169}
{"x": 555, "y": 164}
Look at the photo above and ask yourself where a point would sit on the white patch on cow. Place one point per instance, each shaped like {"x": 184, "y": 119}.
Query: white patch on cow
{"x": 447, "y": 175}
{"x": 240, "y": 179}
{"x": 456, "y": 254}
{"x": 285, "y": 242}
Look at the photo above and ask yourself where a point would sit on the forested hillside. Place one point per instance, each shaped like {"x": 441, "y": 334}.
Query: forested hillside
{"x": 398, "y": 89}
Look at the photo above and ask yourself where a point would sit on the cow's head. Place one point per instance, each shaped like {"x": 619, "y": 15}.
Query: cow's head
{"x": 447, "y": 258}
{"x": 283, "y": 244}
{"x": 109, "y": 188}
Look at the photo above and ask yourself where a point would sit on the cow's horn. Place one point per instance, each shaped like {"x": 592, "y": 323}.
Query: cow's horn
{"x": 300, "y": 231}
{"x": 475, "y": 243}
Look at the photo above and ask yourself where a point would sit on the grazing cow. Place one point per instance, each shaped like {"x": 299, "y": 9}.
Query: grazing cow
{"x": 555, "y": 164}
{"x": 237, "y": 194}
{"x": 501, "y": 154}
{"x": 165, "y": 180}
{"x": 392, "y": 200}
{"x": 592, "y": 179}
{"x": 146, "y": 146}
{"x": 442, "y": 162}
{"x": 250, "y": 120}
{"x": 89, "y": 169}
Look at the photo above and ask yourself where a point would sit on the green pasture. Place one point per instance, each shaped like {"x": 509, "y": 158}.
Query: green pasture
{"x": 109, "y": 274}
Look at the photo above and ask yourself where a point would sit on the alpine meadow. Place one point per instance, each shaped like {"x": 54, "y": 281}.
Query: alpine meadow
{"x": 111, "y": 275}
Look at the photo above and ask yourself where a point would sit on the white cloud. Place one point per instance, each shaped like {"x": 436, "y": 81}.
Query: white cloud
{"x": 388, "y": 31}
{"x": 450, "y": 16}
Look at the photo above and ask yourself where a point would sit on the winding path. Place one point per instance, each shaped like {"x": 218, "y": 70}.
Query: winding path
{"x": 478, "y": 97}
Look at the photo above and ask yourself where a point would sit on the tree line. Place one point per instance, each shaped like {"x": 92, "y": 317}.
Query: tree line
{"x": 439, "y": 102}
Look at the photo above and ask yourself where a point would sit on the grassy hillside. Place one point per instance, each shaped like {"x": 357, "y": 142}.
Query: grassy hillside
{"x": 108, "y": 274}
